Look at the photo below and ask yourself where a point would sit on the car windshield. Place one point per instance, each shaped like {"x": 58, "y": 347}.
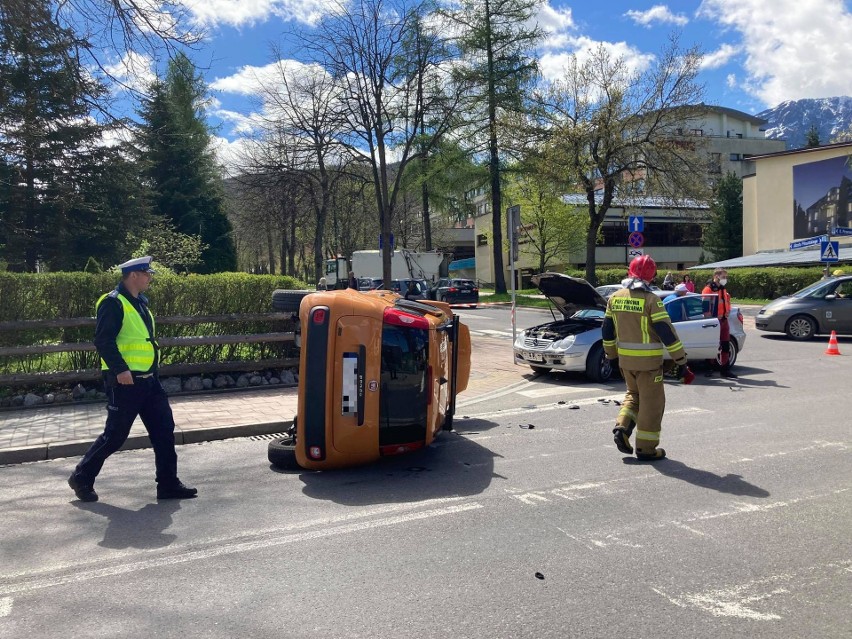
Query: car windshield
{"x": 817, "y": 289}
{"x": 588, "y": 313}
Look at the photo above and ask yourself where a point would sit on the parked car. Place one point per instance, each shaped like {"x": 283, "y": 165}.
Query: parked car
{"x": 608, "y": 289}
{"x": 574, "y": 343}
{"x": 820, "y": 308}
{"x": 378, "y": 376}
{"x": 421, "y": 289}
{"x": 369, "y": 283}
{"x": 455, "y": 291}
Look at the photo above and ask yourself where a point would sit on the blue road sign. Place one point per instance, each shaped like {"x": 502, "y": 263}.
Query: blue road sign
{"x": 636, "y": 223}
{"x": 828, "y": 251}
{"x": 811, "y": 241}
{"x": 841, "y": 230}
{"x": 380, "y": 242}
{"x": 636, "y": 239}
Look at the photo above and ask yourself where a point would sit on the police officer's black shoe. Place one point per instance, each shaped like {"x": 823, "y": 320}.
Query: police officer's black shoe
{"x": 176, "y": 491}
{"x": 84, "y": 492}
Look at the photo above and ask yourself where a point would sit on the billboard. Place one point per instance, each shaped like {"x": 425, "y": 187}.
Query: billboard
{"x": 822, "y": 196}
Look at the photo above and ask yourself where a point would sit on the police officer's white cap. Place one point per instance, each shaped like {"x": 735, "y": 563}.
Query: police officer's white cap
{"x": 142, "y": 264}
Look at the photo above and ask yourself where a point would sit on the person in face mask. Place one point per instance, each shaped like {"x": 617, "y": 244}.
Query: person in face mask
{"x": 716, "y": 286}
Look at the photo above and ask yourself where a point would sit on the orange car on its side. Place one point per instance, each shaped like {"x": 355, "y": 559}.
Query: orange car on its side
{"x": 378, "y": 375}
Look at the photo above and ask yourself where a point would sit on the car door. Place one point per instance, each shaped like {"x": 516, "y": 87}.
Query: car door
{"x": 441, "y": 288}
{"x": 837, "y": 313}
{"x": 695, "y": 321}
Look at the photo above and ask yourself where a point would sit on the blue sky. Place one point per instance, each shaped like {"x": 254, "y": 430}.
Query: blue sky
{"x": 758, "y": 53}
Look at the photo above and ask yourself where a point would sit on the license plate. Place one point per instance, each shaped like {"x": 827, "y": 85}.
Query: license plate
{"x": 535, "y": 357}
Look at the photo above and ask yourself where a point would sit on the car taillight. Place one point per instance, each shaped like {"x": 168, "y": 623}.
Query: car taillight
{"x": 740, "y": 316}
{"x": 319, "y": 316}
{"x": 396, "y": 317}
{"x": 475, "y": 290}
{"x": 452, "y": 289}
{"x": 315, "y": 452}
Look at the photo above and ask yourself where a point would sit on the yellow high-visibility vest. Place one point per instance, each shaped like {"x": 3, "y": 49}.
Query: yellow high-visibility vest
{"x": 133, "y": 341}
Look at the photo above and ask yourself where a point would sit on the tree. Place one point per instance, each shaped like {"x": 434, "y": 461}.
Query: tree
{"x": 812, "y": 137}
{"x": 56, "y": 208}
{"x": 550, "y": 228}
{"x": 612, "y": 132}
{"x": 381, "y": 56}
{"x": 174, "y": 250}
{"x": 495, "y": 41}
{"x": 723, "y": 238}
{"x": 180, "y": 164}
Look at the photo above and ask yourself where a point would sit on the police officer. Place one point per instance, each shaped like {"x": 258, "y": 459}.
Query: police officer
{"x": 635, "y": 329}
{"x": 124, "y": 337}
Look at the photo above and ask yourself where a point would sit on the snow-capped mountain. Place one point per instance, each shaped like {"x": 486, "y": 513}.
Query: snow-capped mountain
{"x": 791, "y": 120}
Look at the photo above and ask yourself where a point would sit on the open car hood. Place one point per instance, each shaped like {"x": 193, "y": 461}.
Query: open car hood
{"x": 568, "y": 294}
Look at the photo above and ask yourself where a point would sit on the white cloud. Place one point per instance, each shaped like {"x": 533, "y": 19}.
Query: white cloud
{"x": 134, "y": 70}
{"x": 659, "y": 13}
{"x": 556, "y": 24}
{"x": 237, "y": 13}
{"x": 793, "y": 49}
{"x": 720, "y": 57}
{"x": 248, "y": 80}
{"x": 553, "y": 64}
{"x": 731, "y": 81}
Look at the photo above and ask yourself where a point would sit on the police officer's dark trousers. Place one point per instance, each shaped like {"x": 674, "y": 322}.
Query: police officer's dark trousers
{"x": 144, "y": 398}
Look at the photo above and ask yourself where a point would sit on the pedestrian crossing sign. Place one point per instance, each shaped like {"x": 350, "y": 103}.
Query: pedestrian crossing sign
{"x": 828, "y": 251}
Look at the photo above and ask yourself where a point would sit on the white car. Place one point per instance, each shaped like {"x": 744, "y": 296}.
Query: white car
{"x": 574, "y": 343}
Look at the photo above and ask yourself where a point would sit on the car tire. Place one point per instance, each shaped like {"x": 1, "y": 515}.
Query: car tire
{"x": 541, "y": 370}
{"x": 287, "y": 301}
{"x": 598, "y": 367}
{"x": 282, "y": 453}
{"x": 732, "y": 354}
{"x": 800, "y": 327}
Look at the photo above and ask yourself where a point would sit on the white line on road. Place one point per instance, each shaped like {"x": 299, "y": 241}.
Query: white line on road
{"x": 26, "y": 584}
{"x": 495, "y": 394}
{"x": 5, "y": 606}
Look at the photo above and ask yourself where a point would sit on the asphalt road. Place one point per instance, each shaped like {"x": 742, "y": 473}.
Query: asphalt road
{"x": 498, "y": 530}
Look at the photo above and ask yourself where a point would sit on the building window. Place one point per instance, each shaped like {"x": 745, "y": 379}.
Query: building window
{"x": 734, "y": 157}
{"x": 482, "y": 240}
{"x": 696, "y": 131}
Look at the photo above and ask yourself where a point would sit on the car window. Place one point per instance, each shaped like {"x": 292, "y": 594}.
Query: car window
{"x": 681, "y": 309}
{"x": 816, "y": 290}
{"x": 405, "y": 356}
{"x": 843, "y": 290}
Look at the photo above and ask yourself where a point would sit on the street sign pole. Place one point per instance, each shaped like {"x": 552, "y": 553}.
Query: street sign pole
{"x": 513, "y": 213}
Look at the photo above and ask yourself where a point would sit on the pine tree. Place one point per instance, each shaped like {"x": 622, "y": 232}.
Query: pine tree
{"x": 812, "y": 137}
{"x": 723, "y": 238}
{"x": 53, "y": 173}
{"x": 180, "y": 163}
{"x": 496, "y": 41}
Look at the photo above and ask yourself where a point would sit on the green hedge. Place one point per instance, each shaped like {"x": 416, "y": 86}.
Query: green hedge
{"x": 753, "y": 283}
{"x": 64, "y": 295}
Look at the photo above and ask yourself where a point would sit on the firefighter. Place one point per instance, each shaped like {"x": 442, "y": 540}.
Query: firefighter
{"x": 636, "y": 328}
{"x": 125, "y": 339}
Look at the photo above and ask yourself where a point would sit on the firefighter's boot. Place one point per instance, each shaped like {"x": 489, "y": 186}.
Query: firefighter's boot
{"x": 621, "y": 437}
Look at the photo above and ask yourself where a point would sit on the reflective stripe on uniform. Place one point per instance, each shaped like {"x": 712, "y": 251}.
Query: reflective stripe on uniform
{"x": 628, "y": 412}
{"x": 633, "y": 352}
{"x": 648, "y": 435}
{"x": 133, "y": 340}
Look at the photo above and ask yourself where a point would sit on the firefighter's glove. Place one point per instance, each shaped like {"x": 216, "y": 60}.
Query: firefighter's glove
{"x": 684, "y": 374}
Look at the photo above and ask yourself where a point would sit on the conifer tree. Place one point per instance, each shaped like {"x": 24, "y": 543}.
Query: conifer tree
{"x": 724, "y": 236}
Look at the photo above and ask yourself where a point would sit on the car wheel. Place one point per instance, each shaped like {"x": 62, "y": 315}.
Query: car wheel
{"x": 282, "y": 452}
{"x": 541, "y": 370}
{"x": 598, "y": 367}
{"x": 732, "y": 354}
{"x": 800, "y": 327}
{"x": 287, "y": 301}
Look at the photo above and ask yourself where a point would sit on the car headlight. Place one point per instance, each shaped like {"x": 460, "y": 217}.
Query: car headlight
{"x": 767, "y": 312}
{"x": 564, "y": 344}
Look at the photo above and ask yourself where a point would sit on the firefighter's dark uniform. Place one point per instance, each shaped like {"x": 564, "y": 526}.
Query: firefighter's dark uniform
{"x": 636, "y": 328}
{"x": 125, "y": 339}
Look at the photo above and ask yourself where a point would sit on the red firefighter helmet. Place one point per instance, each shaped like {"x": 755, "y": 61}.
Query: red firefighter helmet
{"x": 643, "y": 267}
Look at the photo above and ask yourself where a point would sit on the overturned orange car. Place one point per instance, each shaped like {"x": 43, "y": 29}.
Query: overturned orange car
{"x": 378, "y": 376}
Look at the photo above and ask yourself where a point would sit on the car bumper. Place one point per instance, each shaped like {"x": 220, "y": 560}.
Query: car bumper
{"x": 773, "y": 323}
{"x": 462, "y": 299}
{"x": 561, "y": 361}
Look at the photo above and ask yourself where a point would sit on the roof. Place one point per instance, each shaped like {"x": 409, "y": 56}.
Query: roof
{"x": 823, "y": 147}
{"x": 780, "y": 258}
{"x": 741, "y": 115}
{"x": 457, "y": 265}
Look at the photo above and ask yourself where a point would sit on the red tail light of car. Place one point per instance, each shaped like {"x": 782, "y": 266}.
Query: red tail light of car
{"x": 740, "y": 316}
{"x": 396, "y": 317}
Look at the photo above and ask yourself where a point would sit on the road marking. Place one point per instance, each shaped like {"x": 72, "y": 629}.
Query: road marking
{"x": 543, "y": 408}
{"x": 549, "y": 391}
{"x": 495, "y": 394}
{"x": 26, "y": 583}
{"x": 5, "y": 606}
{"x": 738, "y": 601}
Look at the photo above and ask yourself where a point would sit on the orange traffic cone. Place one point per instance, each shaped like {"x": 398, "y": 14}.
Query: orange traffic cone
{"x": 832, "y": 345}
